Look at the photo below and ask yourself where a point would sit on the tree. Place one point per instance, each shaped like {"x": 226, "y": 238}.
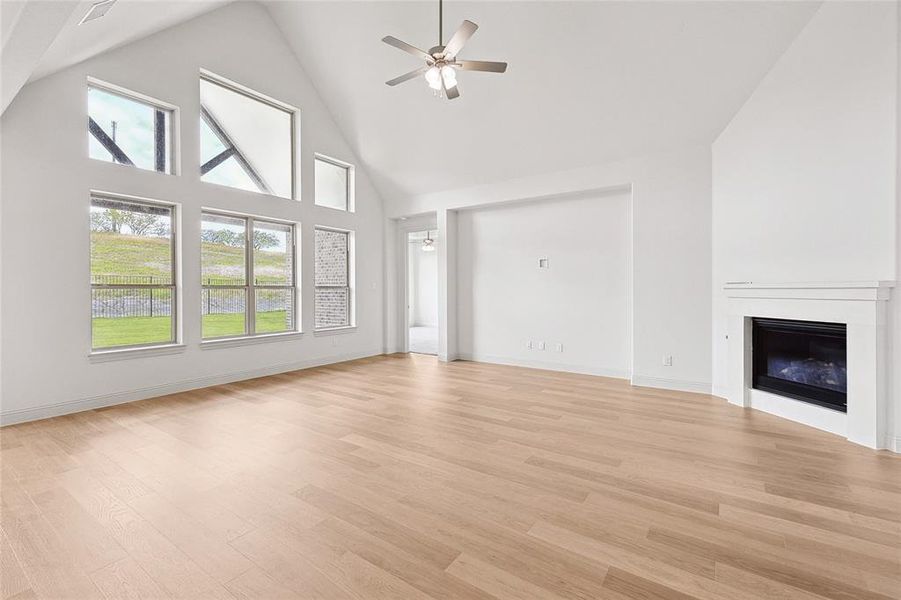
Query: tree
{"x": 264, "y": 239}
{"x": 108, "y": 220}
{"x": 227, "y": 237}
{"x": 144, "y": 223}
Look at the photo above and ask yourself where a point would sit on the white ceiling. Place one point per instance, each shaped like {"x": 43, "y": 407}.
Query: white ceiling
{"x": 588, "y": 82}
{"x": 126, "y": 21}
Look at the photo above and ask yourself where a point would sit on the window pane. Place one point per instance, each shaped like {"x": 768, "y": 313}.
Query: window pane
{"x": 223, "y": 312}
{"x": 222, "y": 250}
{"x": 331, "y": 185}
{"x": 275, "y": 310}
{"x": 126, "y": 131}
{"x": 130, "y": 243}
{"x": 331, "y": 257}
{"x": 259, "y": 134}
{"x": 332, "y": 307}
{"x": 228, "y": 172}
{"x": 131, "y": 317}
{"x": 273, "y": 253}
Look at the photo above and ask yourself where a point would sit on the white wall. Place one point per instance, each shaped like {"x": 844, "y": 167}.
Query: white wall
{"x": 670, "y": 250}
{"x": 423, "y": 288}
{"x": 582, "y": 300}
{"x": 804, "y": 175}
{"x": 46, "y": 181}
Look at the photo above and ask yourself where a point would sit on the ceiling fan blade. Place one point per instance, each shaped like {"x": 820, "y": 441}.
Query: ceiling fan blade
{"x": 393, "y": 41}
{"x": 460, "y": 37}
{"x": 407, "y": 76}
{"x": 488, "y": 66}
{"x": 453, "y": 92}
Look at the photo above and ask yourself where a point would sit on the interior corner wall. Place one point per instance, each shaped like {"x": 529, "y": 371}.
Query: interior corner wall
{"x": 47, "y": 178}
{"x": 670, "y": 220}
{"x": 804, "y": 175}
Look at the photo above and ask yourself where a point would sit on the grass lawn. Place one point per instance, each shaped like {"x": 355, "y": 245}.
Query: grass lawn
{"x": 128, "y": 255}
{"x": 130, "y": 331}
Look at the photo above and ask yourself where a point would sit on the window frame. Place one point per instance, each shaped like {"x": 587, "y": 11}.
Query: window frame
{"x": 349, "y": 197}
{"x": 351, "y": 272}
{"x": 174, "y": 287}
{"x": 249, "y": 286}
{"x": 218, "y": 131}
{"x": 172, "y": 146}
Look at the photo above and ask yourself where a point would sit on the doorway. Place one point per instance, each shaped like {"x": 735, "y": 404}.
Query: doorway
{"x": 422, "y": 292}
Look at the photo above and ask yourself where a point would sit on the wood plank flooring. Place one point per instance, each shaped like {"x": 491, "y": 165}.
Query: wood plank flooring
{"x": 402, "y": 477}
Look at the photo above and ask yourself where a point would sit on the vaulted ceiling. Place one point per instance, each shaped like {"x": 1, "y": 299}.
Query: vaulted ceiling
{"x": 588, "y": 82}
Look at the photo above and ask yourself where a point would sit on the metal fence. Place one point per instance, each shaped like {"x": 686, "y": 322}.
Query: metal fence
{"x": 117, "y": 302}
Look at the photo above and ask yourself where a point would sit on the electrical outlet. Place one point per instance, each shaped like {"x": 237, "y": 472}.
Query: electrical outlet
{"x": 529, "y": 344}
{"x": 541, "y": 345}
{"x": 667, "y": 361}
{"x": 558, "y": 347}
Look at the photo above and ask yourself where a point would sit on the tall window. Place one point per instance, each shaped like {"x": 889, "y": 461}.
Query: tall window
{"x": 334, "y": 183}
{"x": 246, "y": 141}
{"x": 132, "y": 273}
{"x": 126, "y": 130}
{"x": 248, "y": 289}
{"x": 334, "y": 290}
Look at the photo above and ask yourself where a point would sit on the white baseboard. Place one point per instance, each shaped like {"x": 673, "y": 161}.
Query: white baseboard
{"x": 721, "y": 392}
{"x": 894, "y": 444}
{"x": 23, "y": 415}
{"x": 548, "y": 366}
{"x": 679, "y": 385}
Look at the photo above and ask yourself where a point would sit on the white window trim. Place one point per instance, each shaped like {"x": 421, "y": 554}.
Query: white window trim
{"x": 174, "y": 148}
{"x": 351, "y": 183}
{"x": 277, "y": 104}
{"x": 246, "y": 340}
{"x": 114, "y": 352}
{"x": 250, "y": 287}
{"x": 351, "y": 280}
{"x": 100, "y": 356}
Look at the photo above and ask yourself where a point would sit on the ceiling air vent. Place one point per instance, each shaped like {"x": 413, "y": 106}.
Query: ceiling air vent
{"x": 97, "y": 10}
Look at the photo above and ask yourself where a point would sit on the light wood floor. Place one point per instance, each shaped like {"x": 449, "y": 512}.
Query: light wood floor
{"x": 400, "y": 477}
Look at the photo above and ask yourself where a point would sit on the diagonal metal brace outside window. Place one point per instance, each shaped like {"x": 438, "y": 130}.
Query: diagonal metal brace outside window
{"x": 107, "y": 142}
{"x": 231, "y": 149}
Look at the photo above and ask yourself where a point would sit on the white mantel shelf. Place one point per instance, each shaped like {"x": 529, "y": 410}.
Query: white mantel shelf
{"x": 812, "y": 290}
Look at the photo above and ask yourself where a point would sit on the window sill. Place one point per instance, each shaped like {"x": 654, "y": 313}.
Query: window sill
{"x": 333, "y": 208}
{"x": 128, "y": 353}
{"x": 334, "y": 330}
{"x": 246, "y": 340}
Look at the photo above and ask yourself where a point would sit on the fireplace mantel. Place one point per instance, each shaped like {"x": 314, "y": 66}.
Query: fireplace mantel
{"x": 813, "y": 290}
{"x": 861, "y": 305}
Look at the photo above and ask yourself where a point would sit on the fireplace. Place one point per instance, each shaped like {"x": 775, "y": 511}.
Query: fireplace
{"x": 804, "y": 360}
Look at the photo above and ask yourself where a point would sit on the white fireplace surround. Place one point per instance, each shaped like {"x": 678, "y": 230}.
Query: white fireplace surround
{"x": 862, "y": 307}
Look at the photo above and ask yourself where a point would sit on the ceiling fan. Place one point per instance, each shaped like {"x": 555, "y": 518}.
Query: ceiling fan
{"x": 441, "y": 61}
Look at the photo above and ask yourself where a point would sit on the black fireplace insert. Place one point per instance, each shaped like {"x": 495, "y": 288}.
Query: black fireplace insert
{"x": 804, "y": 360}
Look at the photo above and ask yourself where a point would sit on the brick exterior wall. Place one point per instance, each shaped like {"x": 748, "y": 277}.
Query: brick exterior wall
{"x": 332, "y": 292}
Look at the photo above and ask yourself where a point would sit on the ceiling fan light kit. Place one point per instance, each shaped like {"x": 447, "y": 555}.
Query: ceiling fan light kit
{"x": 441, "y": 61}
